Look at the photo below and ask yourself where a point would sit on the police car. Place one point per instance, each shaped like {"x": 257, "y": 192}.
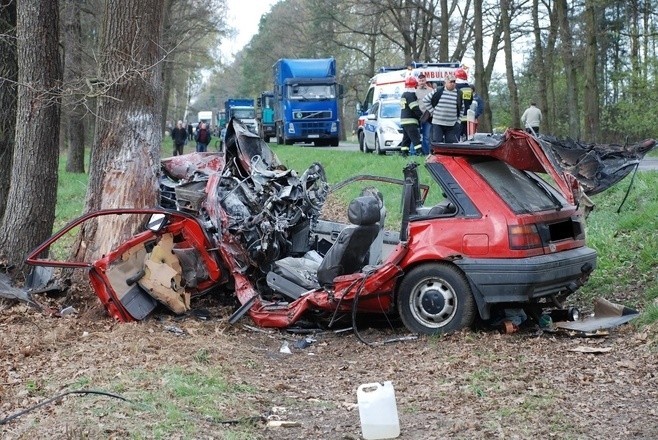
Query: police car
{"x": 382, "y": 131}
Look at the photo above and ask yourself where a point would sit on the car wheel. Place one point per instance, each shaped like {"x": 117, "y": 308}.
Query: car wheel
{"x": 362, "y": 142}
{"x": 435, "y": 298}
{"x": 378, "y": 148}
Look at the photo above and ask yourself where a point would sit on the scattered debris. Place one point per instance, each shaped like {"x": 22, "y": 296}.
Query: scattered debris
{"x": 68, "y": 311}
{"x": 282, "y": 424}
{"x": 285, "y": 348}
{"x": 607, "y": 315}
{"x": 175, "y": 330}
{"x": 590, "y": 349}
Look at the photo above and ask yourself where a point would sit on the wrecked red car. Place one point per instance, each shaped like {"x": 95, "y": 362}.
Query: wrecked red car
{"x": 237, "y": 223}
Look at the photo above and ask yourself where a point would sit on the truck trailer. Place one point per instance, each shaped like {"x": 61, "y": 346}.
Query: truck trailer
{"x": 306, "y": 97}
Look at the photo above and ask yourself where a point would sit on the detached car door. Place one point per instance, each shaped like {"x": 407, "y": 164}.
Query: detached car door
{"x": 166, "y": 257}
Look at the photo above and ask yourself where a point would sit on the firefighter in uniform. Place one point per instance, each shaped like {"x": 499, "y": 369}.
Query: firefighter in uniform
{"x": 466, "y": 99}
{"x": 409, "y": 119}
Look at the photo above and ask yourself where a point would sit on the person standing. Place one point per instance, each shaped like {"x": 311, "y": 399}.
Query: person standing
{"x": 531, "y": 118}
{"x": 446, "y": 109}
{"x": 409, "y": 118}
{"x": 466, "y": 91}
{"x": 202, "y": 138}
{"x": 190, "y": 132}
{"x": 179, "y": 136}
{"x": 422, "y": 90}
{"x": 477, "y": 109}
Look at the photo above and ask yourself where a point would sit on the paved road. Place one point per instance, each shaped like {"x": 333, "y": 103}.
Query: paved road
{"x": 649, "y": 163}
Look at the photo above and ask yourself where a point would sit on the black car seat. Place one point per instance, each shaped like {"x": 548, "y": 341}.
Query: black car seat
{"x": 349, "y": 253}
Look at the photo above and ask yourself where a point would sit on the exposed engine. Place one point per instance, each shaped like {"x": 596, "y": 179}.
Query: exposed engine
{"x": 268, "y": 208}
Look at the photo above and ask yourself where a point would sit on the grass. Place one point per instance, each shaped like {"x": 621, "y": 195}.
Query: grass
{"x": 188, "y": 402}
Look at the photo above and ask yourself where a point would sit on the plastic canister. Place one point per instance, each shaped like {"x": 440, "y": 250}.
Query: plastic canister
{"x": 378, "y": 411}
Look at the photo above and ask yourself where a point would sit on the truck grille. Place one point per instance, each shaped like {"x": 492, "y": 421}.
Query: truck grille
{"x": 300, "y": 115}
{"x": 308, "y": 128}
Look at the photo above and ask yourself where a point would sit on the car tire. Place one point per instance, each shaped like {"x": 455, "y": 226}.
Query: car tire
{"x": 362, "y": 142}
{"x": 435, "y": 298}
{"x": 378, "y": 148}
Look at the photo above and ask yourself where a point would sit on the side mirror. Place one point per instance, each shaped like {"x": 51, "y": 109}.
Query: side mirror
{"x": 156, "y": 222}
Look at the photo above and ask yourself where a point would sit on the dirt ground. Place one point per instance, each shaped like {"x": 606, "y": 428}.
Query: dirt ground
{"x": 473, "y": 384}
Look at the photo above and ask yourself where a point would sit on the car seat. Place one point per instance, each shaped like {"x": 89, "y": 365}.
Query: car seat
{"x": 349, "y": 253}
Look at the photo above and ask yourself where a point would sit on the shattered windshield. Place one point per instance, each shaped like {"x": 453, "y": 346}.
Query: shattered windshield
{"x": 522, "y": 193}
{"x": 312, "y": 91}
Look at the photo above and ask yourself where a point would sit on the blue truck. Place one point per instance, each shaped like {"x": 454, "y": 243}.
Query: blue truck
{"x": 306, "y": 101}
{"x": 244, "y": 110}
{"x": 265, "y": 115}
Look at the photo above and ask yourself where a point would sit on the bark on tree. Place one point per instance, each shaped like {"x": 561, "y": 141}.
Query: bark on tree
{"x": 591, "y": 93}
{"x": 569, "y": 69}
{"x": 478, "y": 48}
{"x": 509, "y": 67}
{"x": 30, "y": 210}
{"x": 126, "y": 152}
{"x": 8, "y": 77}
{"x": 539, "y": 67}
{"x": 73, "y": 109}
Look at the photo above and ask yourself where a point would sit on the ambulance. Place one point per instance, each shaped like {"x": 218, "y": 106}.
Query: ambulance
{"x": 389, "y": 83}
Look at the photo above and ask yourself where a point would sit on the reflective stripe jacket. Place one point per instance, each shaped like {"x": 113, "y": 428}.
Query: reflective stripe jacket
{"x": 409, "y": 110}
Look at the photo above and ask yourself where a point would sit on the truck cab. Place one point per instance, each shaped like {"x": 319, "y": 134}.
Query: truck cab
{"x": 306, "y": 97}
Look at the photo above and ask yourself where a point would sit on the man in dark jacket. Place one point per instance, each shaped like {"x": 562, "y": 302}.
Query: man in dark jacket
{"x": 409, "y": 119}
{"x": 202, "y": 138}
{"x": 179, "y": 135}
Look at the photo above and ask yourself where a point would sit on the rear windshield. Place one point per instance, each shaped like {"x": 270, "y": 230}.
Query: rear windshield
{"x": 523, "y": 192}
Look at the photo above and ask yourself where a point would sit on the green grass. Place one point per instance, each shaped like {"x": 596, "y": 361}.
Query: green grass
{"x": 187, "y": 402}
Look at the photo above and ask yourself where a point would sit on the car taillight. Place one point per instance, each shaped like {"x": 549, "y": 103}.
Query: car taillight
{"x": 524, "y": 237}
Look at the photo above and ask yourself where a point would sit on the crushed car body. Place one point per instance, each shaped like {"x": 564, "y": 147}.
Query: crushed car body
{"x": 237, "y": 223}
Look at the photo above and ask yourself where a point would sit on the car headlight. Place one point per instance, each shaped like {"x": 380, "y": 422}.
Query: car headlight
{"x": 387, "y": 129}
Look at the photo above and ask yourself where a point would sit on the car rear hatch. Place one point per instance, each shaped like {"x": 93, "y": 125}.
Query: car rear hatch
{"x": 522, "y": 151}
{"x": 546, "y": 218}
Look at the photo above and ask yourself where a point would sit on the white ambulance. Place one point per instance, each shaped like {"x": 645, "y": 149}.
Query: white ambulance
{"x": 389, "y": 83}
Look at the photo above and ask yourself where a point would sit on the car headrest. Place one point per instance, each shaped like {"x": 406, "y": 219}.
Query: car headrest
{"x": 363, "y": 211}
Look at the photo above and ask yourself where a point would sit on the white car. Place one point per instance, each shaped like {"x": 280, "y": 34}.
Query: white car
{"x": 382, "y": 131}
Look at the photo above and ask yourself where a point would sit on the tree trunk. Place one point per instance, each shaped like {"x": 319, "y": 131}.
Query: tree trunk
{"x": 591, "y": 92}
{"x": 539, "y": 67}
{"x": 478, "y": 47}
{"x": 30, "y": 211}
{"x": 8, "y": 77}
{"x": 126, "y": 153}
{"x": 73, "y": 107}
{"x": 509, "y": 63}
{"x": 569, "y": 69}
{"x": 552, "y": 105}
{"x": 444, "y": 31}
